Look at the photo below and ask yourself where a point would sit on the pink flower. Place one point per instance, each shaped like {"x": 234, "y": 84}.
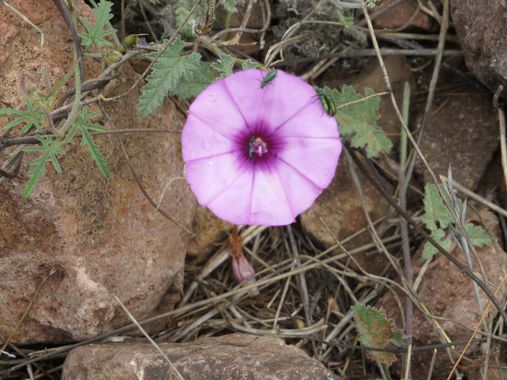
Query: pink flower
{"x": 259, "y": 155}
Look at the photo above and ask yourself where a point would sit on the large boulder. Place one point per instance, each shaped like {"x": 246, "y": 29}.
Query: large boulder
{"x": 81, "y": 238}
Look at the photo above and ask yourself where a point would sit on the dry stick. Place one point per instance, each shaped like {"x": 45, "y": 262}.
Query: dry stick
{"x": 76, "y": 41}
{"x": 405, "y": 243}
{"x": 131, "y": 317}
{"x": 25, "y": 19}
{"x": 433, "y": 84}
{"x": 24, "y": 140}
{"x": 501, "y": 124}
{"x": 423, "y": 233}
{"x": 138, "y": 181}
{"x": 122, "y": 20}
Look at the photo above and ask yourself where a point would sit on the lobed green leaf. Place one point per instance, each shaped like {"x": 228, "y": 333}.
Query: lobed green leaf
{"x": 358, "y": 121}
{"x": 376, "y": 331}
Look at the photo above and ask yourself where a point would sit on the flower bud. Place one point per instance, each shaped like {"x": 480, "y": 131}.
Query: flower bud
{"x": 241, "y": 268}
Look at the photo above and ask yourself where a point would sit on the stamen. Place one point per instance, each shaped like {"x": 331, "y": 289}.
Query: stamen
{"x": 256, "y": 147}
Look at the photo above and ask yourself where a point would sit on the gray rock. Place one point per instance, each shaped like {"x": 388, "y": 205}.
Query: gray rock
{"x": 235, "y": 356}
{"x": 481, "y": 27}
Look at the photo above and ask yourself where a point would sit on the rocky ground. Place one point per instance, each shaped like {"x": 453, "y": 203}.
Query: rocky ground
{"x": 85, "y": 257}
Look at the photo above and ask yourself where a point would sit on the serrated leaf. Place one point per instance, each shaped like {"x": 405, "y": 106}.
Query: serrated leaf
{"x": 250, "y": 64}
{"x": 374, "y": 139}
{"x": 436, "y": 214}
{"x": 50, "y": 149}
{"x": 194, "y": 82}
{"x": 84, "y": 125}
{"x": 173, "y": 74}
{"x": 375, "y": 331}
{"x": 358, "y": 121}
{"x": 224, "y": 65}
{"x": 478, "y": 236}
{"x": 429, "y": 250}
{"x": 96, "y": 34}
{"x": 31, "y": 117}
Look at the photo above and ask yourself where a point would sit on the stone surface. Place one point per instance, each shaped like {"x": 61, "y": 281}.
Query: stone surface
{"x": 209, "y": 231}
{"x": 339, "y": 207}
{"x": 81, "y": 238}
{"x": 404, "y": 15}
{"x": 461, "y": 132}
{"x": 449, "y": 296}
{"x": 481, "y": 27}
{"x": 235, "y": 356}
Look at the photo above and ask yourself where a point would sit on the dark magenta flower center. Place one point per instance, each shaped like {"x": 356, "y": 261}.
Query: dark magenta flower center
{"x": 257, "y": 147}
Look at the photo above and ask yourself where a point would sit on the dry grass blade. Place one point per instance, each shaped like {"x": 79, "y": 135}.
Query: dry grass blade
{"x": 157, "y": 347}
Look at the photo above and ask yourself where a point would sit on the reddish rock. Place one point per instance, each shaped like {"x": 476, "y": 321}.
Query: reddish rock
{"x": 462, "y": 133}
{"x": 481, "y": 27}
{"x": 449, "y": 296}
{"x": 235, "y": 356}
{"x": 404, "y": 15}
{"x": 81, "y": 238}
{"x": 340, "y": 208}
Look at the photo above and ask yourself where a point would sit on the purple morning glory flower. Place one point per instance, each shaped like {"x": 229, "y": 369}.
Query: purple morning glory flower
{"x": 259, "y": 155}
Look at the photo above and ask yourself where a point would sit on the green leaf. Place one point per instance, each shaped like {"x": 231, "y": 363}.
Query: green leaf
{"x": 375, "y": 331}
{"x": 436, "y": 214}
{"x": 173, "y": 74}
{"x": 358, "y": 121}
{"x": 429, "y": 250}
{"x": 84, "y": 125}
{"x": 96, "y": 34}
{"x": 194, "y": 83}
{"x": 31, "y": 117}
{"x": 50, "y": 149}
{"x": 374, "y": 139}
{"x": 478, "y": 236}
{"x": 250, "y": 64}
{"x": 224, "y": 65}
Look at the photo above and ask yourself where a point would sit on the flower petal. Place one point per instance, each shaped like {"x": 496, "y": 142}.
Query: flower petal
{"x": 210, "y": 177}
{"x": 233, "y": 204}
{"x": 285, "y": 97}
{"x": 300, "y": 191}
{"x": 199, "y": 140}
{"x": 278, "y": 101}
{"x": 270, "y": 206}
{"x": 316, "y": 159}
{"x": 245, "y": 88}
{"x": 215, "y": 107}
{"x": 310, "y": 121}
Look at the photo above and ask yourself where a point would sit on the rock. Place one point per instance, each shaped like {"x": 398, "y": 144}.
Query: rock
{"x": 481, "y": 27}
{"x": 461, "y": 132}
{"x": 404, "y": 15}
{"x": 235, "y": 356}
{"x": 209, "y": 230}
{"x": 339, "y": 207}
{"x": 449, "y": 296}
{"x": 82, "y": 238}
